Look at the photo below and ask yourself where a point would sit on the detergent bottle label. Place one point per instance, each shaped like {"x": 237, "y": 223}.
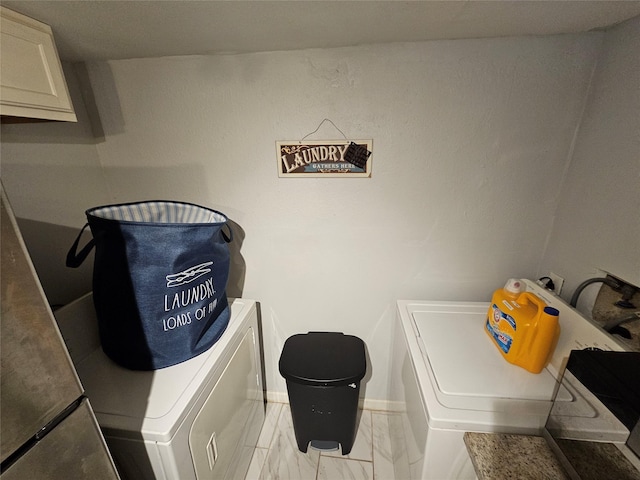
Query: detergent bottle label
{"x": 502, "y": 338}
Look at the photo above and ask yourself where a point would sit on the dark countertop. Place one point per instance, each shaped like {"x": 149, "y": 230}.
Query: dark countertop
{"x": 497, "y": 456}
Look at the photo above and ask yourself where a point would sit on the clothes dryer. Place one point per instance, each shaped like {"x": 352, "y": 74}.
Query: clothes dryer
{"x": 196, "y": 420}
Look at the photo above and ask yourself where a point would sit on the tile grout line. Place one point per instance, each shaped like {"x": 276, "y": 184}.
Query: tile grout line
{"x": 276, "y": 430}
{"x": 373, "y": 458}
{"x": 273, "y": 435}
{"x": 318, "y": 467}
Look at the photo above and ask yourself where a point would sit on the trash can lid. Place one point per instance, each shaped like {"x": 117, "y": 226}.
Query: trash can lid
{"x": 323, "y": 358}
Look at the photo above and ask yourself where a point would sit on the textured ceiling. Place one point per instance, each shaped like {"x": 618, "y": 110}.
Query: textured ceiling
{"x": 94, "y": 29}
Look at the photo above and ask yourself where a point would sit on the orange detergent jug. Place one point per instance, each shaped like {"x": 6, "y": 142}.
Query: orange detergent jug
{"x": 522, "y": 326}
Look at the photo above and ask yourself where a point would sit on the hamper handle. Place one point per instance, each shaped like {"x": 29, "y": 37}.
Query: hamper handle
{"x": 74, "y": 259}
{"x": 228, "y": 238}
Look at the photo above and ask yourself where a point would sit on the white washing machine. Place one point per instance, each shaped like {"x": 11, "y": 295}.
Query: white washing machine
{"x": 196, "y": 420}
{"x": 448, "y": 378}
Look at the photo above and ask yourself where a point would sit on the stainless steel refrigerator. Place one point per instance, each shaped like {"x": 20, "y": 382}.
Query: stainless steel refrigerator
{"x": 47, "y": 427}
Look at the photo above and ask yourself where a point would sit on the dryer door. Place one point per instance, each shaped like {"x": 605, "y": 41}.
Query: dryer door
{"x": 219, "y": 431}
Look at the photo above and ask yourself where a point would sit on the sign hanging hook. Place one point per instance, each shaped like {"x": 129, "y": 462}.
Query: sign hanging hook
{"x": 318, "y": 128}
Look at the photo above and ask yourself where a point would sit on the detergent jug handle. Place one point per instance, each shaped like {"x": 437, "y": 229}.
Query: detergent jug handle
{"x": 526, "y": 298}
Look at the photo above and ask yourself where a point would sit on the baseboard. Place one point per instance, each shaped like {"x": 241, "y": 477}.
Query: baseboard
{"x": 277, "y": 397}
{"x": 375, "y": 404}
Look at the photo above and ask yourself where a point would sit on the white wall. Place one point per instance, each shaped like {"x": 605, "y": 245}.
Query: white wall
{"x": 51, "y": 172}
{"x": 50, "y": 169}
{"x": 470, "y": 143}
{"x": 597, "y": 225}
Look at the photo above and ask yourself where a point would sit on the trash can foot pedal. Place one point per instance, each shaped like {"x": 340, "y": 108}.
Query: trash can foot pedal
{"x": 325, "y": 445}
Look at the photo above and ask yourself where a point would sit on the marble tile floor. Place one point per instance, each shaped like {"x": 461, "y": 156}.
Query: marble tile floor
{"x": 277, "y": 456}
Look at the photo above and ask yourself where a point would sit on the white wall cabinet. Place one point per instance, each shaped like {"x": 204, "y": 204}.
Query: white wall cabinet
{"x": 32, "y": 83}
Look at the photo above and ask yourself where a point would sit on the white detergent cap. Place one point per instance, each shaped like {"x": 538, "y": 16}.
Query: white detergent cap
{"x": 513, "y": 285}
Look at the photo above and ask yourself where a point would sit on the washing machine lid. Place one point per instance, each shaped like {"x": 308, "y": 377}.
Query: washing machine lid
{"x": 128, "y": 402}
{"x": 467, "y": 368}
{"x": 464, "y": 380}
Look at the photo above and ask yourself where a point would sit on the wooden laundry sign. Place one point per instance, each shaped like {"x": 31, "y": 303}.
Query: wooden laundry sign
{"x": 324, "y": 158}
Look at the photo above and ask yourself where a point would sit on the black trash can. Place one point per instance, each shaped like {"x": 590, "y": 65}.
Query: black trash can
{"x": 323, "y": 372}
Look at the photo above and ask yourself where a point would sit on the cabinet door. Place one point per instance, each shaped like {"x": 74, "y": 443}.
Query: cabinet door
{"x": 32, "y": 83}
